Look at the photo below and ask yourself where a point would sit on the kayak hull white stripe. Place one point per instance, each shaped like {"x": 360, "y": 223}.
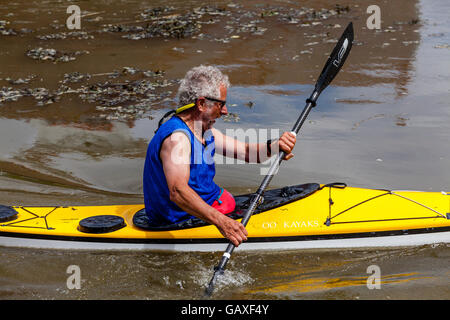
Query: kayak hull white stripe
{"x": 363, "y": 242}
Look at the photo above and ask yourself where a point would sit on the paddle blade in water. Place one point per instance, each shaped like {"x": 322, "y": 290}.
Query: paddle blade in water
{"x": 210, "y": 288}
{"x": 336, "y": 59}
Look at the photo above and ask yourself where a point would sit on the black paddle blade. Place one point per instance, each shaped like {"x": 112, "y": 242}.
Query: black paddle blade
{"x": 210, "y": 288}
{"x": 336, "y": 59}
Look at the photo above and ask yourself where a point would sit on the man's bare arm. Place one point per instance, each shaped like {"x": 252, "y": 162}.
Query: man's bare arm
{"x": 175, "y": 156}
{"x": 253, "y": 152}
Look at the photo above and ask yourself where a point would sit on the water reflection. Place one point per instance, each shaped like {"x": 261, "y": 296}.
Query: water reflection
{"x": 306, "y": 284}
{"x": 85, "y": 123}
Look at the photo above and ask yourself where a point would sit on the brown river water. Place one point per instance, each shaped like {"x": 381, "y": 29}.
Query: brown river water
{"x": 78, "y": 107}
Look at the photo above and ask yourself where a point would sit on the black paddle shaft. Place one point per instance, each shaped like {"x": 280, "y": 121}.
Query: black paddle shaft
{"x": 258, "y": 196}
{"x": 331, "y": 68}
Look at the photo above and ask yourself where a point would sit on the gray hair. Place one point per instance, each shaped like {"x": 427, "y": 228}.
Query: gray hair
{"x": 201, "y": 81}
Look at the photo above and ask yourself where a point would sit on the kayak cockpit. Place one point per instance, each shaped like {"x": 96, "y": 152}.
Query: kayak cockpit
{"x": 272, "y": 199}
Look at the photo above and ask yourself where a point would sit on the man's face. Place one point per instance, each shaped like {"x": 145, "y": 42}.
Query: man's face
{"x": 215, "y": 111}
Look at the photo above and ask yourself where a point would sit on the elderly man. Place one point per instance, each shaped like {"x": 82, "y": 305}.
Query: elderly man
{"x": 179, "y": 167}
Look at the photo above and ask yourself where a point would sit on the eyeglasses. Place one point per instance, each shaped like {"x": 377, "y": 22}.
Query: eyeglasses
{"x": 222, "y": 102}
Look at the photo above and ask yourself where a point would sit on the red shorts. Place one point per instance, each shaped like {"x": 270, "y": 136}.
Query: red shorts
{"x": 225, "y": 203}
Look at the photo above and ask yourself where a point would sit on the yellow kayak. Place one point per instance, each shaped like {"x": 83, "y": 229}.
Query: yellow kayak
{"x": 307, "y": 216}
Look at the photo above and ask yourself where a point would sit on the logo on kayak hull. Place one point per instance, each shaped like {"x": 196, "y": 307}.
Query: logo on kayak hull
{"x": 341, "y": 53}
{"x": 291, "y": 224}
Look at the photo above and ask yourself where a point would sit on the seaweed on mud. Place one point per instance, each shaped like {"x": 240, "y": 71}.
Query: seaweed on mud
{"x": 6, "y": 31}
{"x": 127, "y": 99}
{"x": 158, "y": 24}
{"x": 163, "y": 22}
{"x": 173, "y": 28}
{"x": 75, "y": 77}
{"x": 167, "y": 22}
{"x": 42, "y": 95}
{"x": 304, "y": 16}
{"x": 115, "y": 100}
{"x": 25, "y": 80}
{"x": 53, "y": 54}
{"x": 79, "y": 35}
{"x": 129, "y": 93}
{"x": 154, "y": 13}
{"x": 231, "y": 117}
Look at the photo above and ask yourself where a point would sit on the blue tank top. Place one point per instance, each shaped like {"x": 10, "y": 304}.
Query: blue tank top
{"x": 158, "y": 206}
